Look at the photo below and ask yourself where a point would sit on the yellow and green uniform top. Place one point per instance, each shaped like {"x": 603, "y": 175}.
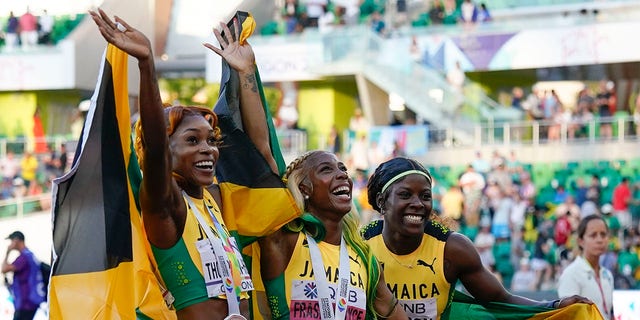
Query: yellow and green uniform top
{"x": 181, "y": 266}
{"x": 294, "y": 295}
{"x": 417, "y": 279}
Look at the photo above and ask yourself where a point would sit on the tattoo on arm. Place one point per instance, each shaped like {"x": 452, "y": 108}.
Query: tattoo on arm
{"x": 250, "y": 83}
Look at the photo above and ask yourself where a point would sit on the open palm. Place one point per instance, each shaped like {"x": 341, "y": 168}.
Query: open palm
{"x": 131, "y": 41}
{"x": 239, "y": 56}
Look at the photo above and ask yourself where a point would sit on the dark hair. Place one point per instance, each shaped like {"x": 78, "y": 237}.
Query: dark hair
{"x": 16, "y": 235}
{"x": 385, "y": 172}
{"x": 582, "y": 227}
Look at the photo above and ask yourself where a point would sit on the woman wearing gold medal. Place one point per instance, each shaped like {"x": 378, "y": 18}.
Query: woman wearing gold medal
{"x": 318, "y": 267}
{"x": 177, "y": 149}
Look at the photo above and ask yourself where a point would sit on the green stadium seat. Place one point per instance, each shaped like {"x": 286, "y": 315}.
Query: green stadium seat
{"x": 604, "y": 164}
{"x": 635, "y": 163}
{"x": 502, "y": 249}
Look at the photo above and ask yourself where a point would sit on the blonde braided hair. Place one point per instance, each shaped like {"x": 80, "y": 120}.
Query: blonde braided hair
{"x": 294, "y": 176}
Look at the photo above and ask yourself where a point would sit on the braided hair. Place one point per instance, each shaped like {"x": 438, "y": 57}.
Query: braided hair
{"x": 297, "y": 173}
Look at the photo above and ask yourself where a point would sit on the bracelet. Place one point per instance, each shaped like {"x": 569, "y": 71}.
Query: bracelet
{"x": 556, "y": 304}
{"x": 393, "y": 304}
{"x": 553, "y": 304}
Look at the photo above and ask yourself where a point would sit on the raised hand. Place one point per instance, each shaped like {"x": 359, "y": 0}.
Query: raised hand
{"x": 239, "y": 56}
{"x": 122, "y": 35}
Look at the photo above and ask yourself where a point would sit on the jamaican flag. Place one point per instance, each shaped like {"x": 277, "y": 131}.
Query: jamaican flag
{"x": 101, "y": 268}
{"x": 255, "y": 200}
{"x": 464, "y": 307}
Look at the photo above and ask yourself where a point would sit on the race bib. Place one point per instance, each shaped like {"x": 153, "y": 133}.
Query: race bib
{"x": 212, "y": 271}
{"x": 305, "y": 306}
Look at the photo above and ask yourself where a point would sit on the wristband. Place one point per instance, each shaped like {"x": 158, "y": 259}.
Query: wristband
{"x": 553, "y": 304}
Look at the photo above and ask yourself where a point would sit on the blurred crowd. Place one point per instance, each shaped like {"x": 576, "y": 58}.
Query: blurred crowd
{"x": 298, "y": 15}
{"x": 30, "y": 174}
{"x": 27, "y": 30}
{"x": 602, "y": 104}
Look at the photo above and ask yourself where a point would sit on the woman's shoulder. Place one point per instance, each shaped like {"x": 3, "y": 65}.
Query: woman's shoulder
{"x": 432, "y": 228}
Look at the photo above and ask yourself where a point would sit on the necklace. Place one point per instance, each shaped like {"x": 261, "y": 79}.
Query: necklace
{"x": 398, "y": 258}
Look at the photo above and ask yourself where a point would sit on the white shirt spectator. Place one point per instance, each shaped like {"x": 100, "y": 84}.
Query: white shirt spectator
{"x": 524, "y": 279}
{"x": 579, "y": 278}
{"x": 9, "y": 166}
{"x": 46, "y": 22}
{"x": 315, "y": 8}
{"x": 472, "y": 182}
{"x": 484, "y": 242}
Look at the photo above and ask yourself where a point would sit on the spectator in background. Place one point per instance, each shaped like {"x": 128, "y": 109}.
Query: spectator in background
{"x": 513, "y": 163}
{"x": 517, "y": 96}
{"x": 315, "y": 9}
{"x": 288, "y": 114}
{"x": 524, "y": 279}
{"x": 46, "y": 26}
{"x": 539, "y": 263}
{"x": 589, "y": 206}
{"x": 472, "y": 183}
{"x": 500, "y": 223}
{"x": 585, "y": 276}
{"x": 560, "y": 195}
{"x": 28, "y": 169}
{"x": 27, "y": 288}
{"x": 620, "y": 200}
{"x": 326, "y": 21}
{"x": 481, "y": 165}
{"x": 28, "y": 29}
{"x": 484, "y": 242}
{"x": 602, "y": 101}
{"x": 377, "y": 23}
{"x": 533, "y": 104}
{"x": 436, "y": 12}
{"x": 358, "y": 123}
{"x": 456, "y": 77}
{"x": 483, "y": 13}
{"x": 613, "y": 224}
{"x": 290, "y": 16}
{"x": 451, "y": 12}
{"x": 583, "y": 113}
{"x": 527, "y": 188}
{"x": 452, "y": 204}
{"x": 563, "y": 229}
{"x": 581, "y": 191}
{"x": 335, "y": 141}
{"x": 468, "y": 12}
{"x": 628, "y": 265}
{"x": 9, "y": 166}
{"x": 11, "y": 32}
{"x": 359, "y": 153}
{"x": 63, "y": 160}
{"x": 569, "y": 205}
{"x": 350, "y": 10}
